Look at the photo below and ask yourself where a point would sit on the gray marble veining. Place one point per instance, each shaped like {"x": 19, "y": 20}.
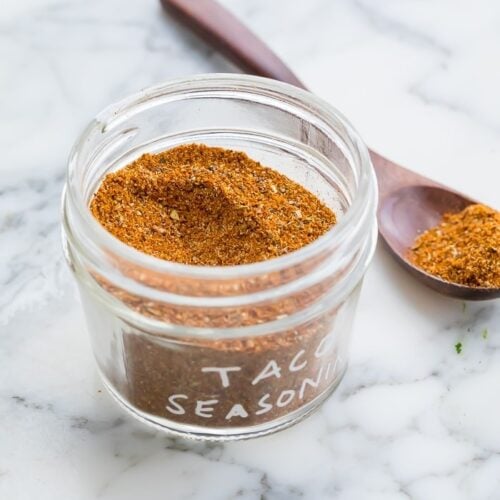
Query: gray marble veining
{"x": 412, "y": 418}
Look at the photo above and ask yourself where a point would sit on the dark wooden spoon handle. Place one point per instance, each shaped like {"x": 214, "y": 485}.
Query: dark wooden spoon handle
{"x": 225, "y": 32}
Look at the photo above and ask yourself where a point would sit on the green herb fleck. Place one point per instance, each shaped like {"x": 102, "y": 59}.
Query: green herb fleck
{"x": 484, "y": 334}
{"x": 464, "y": 306}
{"x": 458, "y": 347}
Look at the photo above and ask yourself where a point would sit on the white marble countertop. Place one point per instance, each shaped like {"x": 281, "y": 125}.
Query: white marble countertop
{"x": 412, "y": 418}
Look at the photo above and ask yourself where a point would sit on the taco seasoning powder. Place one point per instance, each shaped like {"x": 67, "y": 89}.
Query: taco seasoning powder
{"x": 208, "y": 206}
{"x": 464, "y": 248}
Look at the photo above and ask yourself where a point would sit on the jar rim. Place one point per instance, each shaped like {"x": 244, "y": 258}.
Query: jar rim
{"x": 364, "y": 197}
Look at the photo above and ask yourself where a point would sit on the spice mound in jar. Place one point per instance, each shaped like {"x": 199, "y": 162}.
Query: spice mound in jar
{"x": 203, "y": 205}
{"x": 464, "y": 248}
{"x": 210, "y": 206}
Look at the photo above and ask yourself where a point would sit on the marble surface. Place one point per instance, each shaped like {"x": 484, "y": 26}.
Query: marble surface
{"x": 412, "y": 418}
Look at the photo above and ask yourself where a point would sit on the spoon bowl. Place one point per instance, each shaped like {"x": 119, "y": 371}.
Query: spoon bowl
{"x": 409, "y": 211}
{"x": 409, "y": 203}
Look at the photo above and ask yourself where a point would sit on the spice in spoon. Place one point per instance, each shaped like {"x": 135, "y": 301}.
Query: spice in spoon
{"x": 464, "y": 248}
{"x": 203, "y": 205}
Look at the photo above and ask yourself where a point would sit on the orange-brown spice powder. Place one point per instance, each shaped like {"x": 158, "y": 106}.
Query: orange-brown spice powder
{"x": 211, "y": 206}
{"x": 203, "y": 205}
{"x": 464, "y": 248}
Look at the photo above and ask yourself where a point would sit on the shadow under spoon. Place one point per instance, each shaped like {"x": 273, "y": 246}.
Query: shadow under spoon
{"x": 408, "y": 202}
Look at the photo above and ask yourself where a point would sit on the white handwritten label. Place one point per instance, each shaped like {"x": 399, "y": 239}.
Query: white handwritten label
{"x": 204, "y": 408}
{"x": 293, "y": 365}
{"x": 176, "y": 408}
{"x": 271, "y": 370}
{"x": 225, "y": 404}
{"x": 285, "y": 398}
{"x": 237, "y": 411}
{"x": 223, "y": 372}
{"x": 327, "y": 374}
{"x": 264, "y": 407}
{"x": 325, "y": 346}
{"x": 310, "y": 382}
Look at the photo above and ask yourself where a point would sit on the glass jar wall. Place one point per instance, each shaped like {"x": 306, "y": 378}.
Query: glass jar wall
{"x": 223, "y": 352}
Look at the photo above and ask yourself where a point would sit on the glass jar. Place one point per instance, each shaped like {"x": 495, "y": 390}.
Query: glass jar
{"x": 223, "y": 352}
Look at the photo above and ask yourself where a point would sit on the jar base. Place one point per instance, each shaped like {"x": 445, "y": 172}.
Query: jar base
{"x": 221, "y": 434}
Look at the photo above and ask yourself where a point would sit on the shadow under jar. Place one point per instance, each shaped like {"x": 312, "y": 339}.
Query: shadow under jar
{"x": 233, "y": 352}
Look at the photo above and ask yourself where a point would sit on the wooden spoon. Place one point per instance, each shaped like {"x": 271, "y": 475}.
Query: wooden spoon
{"x": 408, "y": 203}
